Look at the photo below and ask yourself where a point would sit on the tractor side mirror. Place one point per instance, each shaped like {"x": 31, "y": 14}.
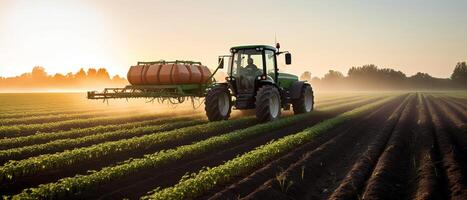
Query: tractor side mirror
{"x": 221, "y": 63}
{"x": 288, "y": 58}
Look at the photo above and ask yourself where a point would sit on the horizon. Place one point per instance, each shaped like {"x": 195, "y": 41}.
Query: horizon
{"x": 415, "y": 36}
{"x": 124, "y": 76}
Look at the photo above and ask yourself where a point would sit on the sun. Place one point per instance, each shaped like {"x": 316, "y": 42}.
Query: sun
{"x": 61, "y": 36}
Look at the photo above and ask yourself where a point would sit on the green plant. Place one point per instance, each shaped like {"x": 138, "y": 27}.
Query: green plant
{"x": 63, "y": 144}
{"x": 207, "y": 179}
{"x": 80, "y": 183}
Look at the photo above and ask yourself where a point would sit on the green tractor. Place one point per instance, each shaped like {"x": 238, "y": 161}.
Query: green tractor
{"x": 254, "y": 82}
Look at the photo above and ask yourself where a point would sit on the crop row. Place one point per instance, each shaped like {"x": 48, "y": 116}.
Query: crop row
{"x": 16, "y": 142}
{"x": 196, "y": 184}
{"x": 46, "y": 162}
{"x": 64, "y": 107}
{"x": 51, "y": 118}
{"x": 63, "y": 144}
{"x": 23, "y": 130}
{"x": 80, "y": 182}
{"x": 338, "y": 101}
{"x": 14, "y": 108}
{"x": 39, "y": 138}
{"x": 64, "y": 117}
{"x": 60, "y": 110}
{"x": 9, "y": 143}
{"x": 67, "y": 108}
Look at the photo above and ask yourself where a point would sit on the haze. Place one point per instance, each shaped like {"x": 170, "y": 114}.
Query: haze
{"x": 411, "y": 36}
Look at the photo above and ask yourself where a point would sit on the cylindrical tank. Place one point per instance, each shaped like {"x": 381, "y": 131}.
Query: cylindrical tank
{"x": 180, "y": 74}
{"x": 195, "y": 74}
{"x": 165, "y": 74}
{"x": 134, "y": 75}
{"x": 152, "y": 75}
{"x": 205, "y": 73}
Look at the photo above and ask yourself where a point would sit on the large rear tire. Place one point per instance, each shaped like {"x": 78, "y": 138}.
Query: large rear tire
{"x": 218, "y": 103}
{"x": 268, "y": 103}
{"x": 306, "y": 102}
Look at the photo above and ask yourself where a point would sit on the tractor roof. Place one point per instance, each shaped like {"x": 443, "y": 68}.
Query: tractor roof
{"x": 254, "y": 47}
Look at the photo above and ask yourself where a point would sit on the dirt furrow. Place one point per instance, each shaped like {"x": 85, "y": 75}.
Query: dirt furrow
{"x": 93, "y": 164}
{"x": 170, "y": 174}
{"x": 428, "y": 182}
{"x": 449, "y": 154}
{"x": 389, "y": 179}
{"x": 352, "y": 185}
{"x": 459, "y": 101}
{"x": 459, "y": 112}
{"x": 315, "y": 171}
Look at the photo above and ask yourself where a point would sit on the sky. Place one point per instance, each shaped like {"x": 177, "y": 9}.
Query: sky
{"x": 63, "y": 36}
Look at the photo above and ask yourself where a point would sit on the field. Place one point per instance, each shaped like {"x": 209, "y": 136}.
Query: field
{"x": 393, "y": 145}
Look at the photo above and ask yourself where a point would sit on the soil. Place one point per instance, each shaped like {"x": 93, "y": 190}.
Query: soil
{"x": 413, "y": 147}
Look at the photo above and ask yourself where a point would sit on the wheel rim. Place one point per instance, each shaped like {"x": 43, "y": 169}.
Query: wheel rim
{"x": 223, "y": 102}
{"x": 274, "y": 106}
{"x": 308, "y": 98}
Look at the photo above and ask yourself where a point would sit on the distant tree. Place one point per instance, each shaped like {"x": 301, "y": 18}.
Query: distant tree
{"x": 38, "y": 73}
{"x": 459, "y": 75}
{"x": 117, "y": 78}
{"x": 333, "y": 76}
{"x": 92, "y": 73}
{"x": 306, "y": 76}
{"x": 59, "y": 76}
{"x": 81, "y": 74}
{"x": 421, "y": 77}
{"x": 103, "y": 74}
{"x": 70, "y": 75}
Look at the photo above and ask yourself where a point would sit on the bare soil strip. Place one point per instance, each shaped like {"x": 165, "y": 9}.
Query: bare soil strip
{"x": 89, "y": 165}
{"x": 459, "y": 101}
{"x": 166, "y": 176}
{"x": 316, "y": 168}
{"x": 413, "y": 147}
{"x": 450, "y": 154}
{"x": 352, "y": 185}
{"x": 428, "y": 182}
{"x": 454, "y": 108}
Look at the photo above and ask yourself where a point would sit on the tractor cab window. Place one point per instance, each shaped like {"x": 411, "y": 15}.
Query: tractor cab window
{"x": 270, "y": 63}
{"x": 247, "y": 65}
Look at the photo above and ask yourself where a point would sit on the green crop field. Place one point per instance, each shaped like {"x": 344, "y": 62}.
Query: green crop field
{"x": 353, "y": 145}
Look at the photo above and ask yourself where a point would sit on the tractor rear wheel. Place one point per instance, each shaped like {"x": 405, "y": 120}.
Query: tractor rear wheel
{"x": 218, "y": 103}
{"x": 306, "y": 101}
{"x": 268, "y": 103}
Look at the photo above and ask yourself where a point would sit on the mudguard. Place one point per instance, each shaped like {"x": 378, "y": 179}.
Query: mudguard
{"x": 260, "y": 83}
{"x": 296, "y": 89}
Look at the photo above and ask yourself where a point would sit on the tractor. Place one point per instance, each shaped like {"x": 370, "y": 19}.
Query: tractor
{"x": 254, "y": 82}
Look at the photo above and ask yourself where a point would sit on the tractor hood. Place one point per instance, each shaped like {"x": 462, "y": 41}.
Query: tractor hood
{"x": 286, "y": 80}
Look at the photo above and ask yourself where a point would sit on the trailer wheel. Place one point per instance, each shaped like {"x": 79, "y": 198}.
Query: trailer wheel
{"x": 268, "y": 103}
{"x": 218, "y": 104}
{"x": 306, "y": 101}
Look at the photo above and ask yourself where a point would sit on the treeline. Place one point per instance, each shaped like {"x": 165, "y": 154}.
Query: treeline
{"x": 370, "y": 77}
{"x": 38, "y": 79}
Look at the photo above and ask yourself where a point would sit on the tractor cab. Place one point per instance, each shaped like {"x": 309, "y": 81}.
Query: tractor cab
{"x": 254, "y": 82}
{"x": 249, "y": 68}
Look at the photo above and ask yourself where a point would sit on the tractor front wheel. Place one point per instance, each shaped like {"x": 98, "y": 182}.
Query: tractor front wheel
{"x": 218, "y": 103}
{"x": 268, "y": 103}
{"x": 306, "y": 102}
